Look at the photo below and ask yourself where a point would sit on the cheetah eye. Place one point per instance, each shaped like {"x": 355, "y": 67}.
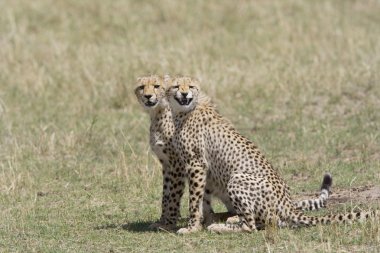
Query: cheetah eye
{"x": 191, "y": 86}
{"x": 175, "y": 86}
{"x": 156, "y": 86}
{"x": 141, "y": 87}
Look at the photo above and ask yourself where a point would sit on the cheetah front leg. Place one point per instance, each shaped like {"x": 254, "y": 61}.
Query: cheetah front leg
{"x": 176, "y": 191}
{"x": 197, "y": 183}
{"x": 173, "y": 186}
{"x": 164, "y": 222}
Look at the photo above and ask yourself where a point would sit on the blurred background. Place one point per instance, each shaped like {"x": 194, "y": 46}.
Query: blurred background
{"x": 299, "y": 78}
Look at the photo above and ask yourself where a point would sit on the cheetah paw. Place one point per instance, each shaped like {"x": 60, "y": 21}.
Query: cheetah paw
{"x": 225, "y": 228}
{"x": 217, "y": 228}
{"x": 233, "y": 219}
{"x": 183, "y": 231}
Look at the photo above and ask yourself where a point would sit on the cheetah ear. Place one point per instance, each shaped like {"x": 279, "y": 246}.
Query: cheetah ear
{"x": 196, "y": 82}
{"x": 167, "y": 80}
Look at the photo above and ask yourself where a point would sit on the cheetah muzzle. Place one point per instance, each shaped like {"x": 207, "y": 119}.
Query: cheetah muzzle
{"x": 183, "y": 100}
{"x": 150, "y": 103}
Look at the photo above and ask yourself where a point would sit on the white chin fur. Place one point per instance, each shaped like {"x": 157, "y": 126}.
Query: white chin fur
{"x": 160, "y": 104}
{"x": 147, "y": 107}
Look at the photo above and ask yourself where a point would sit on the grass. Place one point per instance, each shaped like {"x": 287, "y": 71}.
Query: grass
{"x": 300, "y": 78}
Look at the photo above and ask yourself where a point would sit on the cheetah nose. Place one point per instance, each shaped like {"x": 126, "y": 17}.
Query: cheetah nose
{"x": 184, "y": 94}
{"x": 148, "y": 96}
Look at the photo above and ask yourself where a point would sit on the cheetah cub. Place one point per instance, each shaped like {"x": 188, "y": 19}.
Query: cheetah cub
{"x": 212, "y": 151}
{"x": 150, "y": 92}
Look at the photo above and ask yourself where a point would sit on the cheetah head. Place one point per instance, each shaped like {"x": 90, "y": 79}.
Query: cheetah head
{"x": 182, "y": 93}
{"x": 150, "y": 91}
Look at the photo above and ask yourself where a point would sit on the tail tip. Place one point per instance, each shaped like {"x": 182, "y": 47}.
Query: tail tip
{"x": 327, "y": 181}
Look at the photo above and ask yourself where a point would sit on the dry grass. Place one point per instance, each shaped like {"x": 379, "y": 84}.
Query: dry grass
{"x": 300, "y": 78}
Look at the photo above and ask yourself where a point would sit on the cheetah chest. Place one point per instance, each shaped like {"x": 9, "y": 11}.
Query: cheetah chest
{"x": 158, "y": 144}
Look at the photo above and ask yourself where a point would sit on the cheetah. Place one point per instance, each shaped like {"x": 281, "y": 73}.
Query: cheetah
{"x": 150, "y": 92}
{"x": 214, "y": 153}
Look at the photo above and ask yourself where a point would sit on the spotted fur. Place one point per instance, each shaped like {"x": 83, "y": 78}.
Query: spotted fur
{"x": 150, "y": 92}
{"x": 215, "y": 154}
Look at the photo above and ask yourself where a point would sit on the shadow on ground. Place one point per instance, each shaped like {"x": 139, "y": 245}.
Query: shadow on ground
{"x": 142, "y": 226}
{"x": 139, "y": 226}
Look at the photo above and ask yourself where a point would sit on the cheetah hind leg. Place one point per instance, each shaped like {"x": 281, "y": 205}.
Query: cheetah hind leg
{"x": 308, "y": 204}
{"x": 245, "y": 213}
{"x": 240, "y": 189}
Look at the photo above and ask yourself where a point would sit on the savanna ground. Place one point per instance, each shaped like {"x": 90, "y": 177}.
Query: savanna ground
{"x": 300, "y": 78}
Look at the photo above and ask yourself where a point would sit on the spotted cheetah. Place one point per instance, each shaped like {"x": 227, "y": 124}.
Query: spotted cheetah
{"x": 214, "y": 153}
{"x": 150, "y": 94}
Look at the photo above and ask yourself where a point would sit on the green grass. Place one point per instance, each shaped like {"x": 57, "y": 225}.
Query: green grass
{"x": 300, "y": 78}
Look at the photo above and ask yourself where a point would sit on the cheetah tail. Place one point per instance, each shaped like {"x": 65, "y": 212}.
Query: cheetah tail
{"x": 298, "y": 218}
{"x": 320, "y": 202}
